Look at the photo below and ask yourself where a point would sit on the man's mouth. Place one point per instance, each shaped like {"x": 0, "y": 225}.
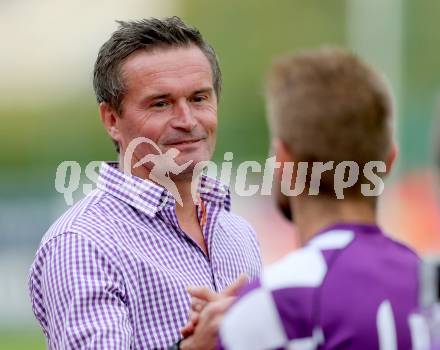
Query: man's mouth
{"x": 183, "y": 142}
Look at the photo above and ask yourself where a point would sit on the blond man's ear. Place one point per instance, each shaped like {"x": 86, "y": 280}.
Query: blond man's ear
{"x": 392, "y": 156}
{"x": 281, "y": 151}
{"x": 282, "y": 155}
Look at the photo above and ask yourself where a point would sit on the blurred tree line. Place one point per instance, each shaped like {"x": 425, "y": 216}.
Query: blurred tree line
{"x": 246, "y": 35}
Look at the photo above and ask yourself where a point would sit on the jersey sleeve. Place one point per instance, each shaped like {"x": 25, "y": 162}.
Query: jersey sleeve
{"x": 276, "y": 312}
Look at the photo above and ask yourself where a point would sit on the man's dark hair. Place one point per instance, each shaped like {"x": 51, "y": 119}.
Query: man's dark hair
{"x": 145, "y": 34}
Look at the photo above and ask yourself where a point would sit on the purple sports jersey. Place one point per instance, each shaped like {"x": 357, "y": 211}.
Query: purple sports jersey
{"x": 350, "y": 287}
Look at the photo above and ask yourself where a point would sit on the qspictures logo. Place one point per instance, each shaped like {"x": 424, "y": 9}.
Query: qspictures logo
{"x": 163, "y": 167}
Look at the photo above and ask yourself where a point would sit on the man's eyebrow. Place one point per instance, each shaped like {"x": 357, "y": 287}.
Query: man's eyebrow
{"x": 155, "y": 97}
{"x": 202, "y": 90}
{"x": 160, "y": 96}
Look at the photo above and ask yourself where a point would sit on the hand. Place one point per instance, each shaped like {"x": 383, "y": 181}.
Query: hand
{"x": 205, "y": 332}
{"x": 201, "y": 296}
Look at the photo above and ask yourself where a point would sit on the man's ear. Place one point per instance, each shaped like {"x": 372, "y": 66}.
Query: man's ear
{"x": 109, "y": 118}
{"x": 392, "y": 156}
{"x": 282, "y": 155}
{"x": 282, "y": 152}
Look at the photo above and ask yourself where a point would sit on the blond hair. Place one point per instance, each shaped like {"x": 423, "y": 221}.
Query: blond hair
{"x": 328, "y": 105}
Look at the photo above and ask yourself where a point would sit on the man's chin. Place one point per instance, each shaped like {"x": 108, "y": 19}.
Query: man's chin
{"x": 192, "y": 159}
{"x": 189, "y": 171}
{"x": 186, "y": 174}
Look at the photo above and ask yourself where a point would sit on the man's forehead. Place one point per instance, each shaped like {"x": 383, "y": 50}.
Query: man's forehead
{"x": 161, "y": 65}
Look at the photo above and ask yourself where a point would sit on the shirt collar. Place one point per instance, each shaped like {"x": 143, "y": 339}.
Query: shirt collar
{"x": 213, "y": 190}
{"x": 149, "y": 197}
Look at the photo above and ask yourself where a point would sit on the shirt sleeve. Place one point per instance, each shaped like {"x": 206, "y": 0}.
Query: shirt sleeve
{"x": 77, "y": 296}
{"x": 252, "y": 322}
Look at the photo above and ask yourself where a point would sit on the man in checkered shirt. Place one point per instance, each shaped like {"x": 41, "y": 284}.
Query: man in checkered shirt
{"x": 112, "y": 272}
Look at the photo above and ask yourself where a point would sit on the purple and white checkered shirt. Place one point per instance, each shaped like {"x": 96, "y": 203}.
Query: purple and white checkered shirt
{"x": 112, "y": 272}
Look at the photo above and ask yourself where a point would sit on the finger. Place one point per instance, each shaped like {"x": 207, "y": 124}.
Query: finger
{"x": 225, "y": 304}
{"x": 197, "y": 305}
{"x": 194, "y": 318}
{"x": 202, "y": 293}
{"x": 235, "y": 287}
{"x": 188, "y": 329}
{"x": 216, "y": 309}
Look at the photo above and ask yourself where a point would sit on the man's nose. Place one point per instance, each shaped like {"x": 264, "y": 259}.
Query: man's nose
{"x": 184, "y": 118}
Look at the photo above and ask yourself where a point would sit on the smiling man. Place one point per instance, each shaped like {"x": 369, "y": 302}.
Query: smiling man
{"x": 112, "y": 272}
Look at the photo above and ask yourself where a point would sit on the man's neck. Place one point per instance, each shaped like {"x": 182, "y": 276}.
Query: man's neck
{"x": 188, "y": 207}
{"x": 184, "y": 212}
{"x": 312, "y": 214}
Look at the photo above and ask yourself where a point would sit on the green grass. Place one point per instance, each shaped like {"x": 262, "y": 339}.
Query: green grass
{"x": 22, "y": 339}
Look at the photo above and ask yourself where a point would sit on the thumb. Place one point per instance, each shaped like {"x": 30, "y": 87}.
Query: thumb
{"x": 235, "y": 287}
{"x": 202, "y": 293}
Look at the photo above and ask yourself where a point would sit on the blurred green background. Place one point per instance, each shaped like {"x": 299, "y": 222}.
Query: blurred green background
{"x": 48, "y": 112}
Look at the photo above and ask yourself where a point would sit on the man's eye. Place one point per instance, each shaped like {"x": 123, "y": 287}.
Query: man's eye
{"x": 199, "y": 98}
{"x": 160, "y": 104}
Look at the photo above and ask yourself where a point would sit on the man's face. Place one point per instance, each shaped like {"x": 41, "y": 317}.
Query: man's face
{"x": 169, "y": 99}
